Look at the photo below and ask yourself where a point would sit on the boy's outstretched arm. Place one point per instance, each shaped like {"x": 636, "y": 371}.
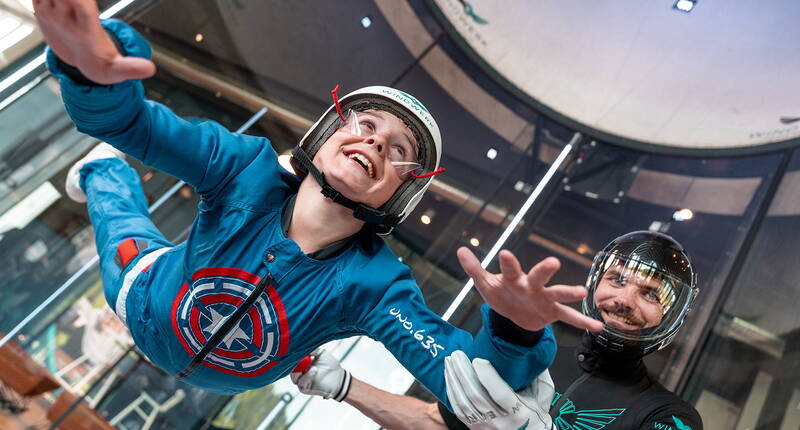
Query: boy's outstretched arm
{"x": 420, "y": 339}
{"x": 516, "y": 338}
{"x": 99, "y": 66}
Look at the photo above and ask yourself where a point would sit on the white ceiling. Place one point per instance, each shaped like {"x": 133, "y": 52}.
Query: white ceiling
{"x": 722, "y": 76}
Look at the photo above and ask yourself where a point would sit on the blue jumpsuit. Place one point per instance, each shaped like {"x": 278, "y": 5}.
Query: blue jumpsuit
{"x": 174, "y": 298}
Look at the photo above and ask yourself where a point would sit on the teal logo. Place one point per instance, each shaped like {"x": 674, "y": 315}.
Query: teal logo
{"x": 471, "y": 13}
{"x": 410, "y": 102}
{"x": 415, "y": 101}
{"x": 679, "y": 425}
{"x": 570, "y": 418}
{"x": 524, "y": 426}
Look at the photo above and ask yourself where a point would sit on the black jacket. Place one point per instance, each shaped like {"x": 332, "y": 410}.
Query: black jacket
{"x": 597, "y": 389}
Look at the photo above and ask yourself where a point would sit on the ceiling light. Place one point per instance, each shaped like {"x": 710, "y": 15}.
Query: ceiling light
{"x": 366, "y": 22}
{"x": 584, "y": 249}
{"x": 685, "y": 5}
{"x": 427, "y": 216}
{"x": 198, "y": 37}
{"x": 683, "y": 215}
{"x": 474, "y": 242}
{"x": 491, "y": 154}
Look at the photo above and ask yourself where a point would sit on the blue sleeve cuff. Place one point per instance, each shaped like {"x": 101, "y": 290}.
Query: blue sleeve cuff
{"x": 517, "y": 364}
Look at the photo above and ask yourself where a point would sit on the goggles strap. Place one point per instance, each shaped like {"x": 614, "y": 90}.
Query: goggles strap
{"x": 336, "y": 103}
{"x": 427, "y": 175}
{"x": 360, "y": 210}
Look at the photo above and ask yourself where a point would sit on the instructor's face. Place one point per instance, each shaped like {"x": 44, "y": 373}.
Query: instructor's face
{"x": 627, "y": 301}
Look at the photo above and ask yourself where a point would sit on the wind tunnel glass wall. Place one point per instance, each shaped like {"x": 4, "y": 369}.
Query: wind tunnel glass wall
{"x": 470, "y": 205}
{"x": 610, "y": 191}
{"x": 46, "y": 241}
{"x": 748, "y": 375}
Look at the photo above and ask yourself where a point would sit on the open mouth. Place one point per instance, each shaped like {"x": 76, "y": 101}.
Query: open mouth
{"x": 362, "y": 161}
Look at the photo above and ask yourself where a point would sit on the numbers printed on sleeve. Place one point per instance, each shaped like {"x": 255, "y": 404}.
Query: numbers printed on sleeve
{"x": 426, "y": 341}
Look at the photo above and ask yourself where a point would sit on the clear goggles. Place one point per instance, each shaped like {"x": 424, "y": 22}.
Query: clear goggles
{"x": 402, "y": 153}
{"x": 636, "y": 299}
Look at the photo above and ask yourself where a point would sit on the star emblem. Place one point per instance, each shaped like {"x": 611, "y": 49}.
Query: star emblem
{"x": 216, "y": 319}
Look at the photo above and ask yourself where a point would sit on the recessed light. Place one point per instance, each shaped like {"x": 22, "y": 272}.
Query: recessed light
{"x": 685, "y": 5}
{"x": 427, "y": 216}
{"x": 366, "y": 22}
{"x": 491, "y": 154}
{"x": 198, "y": 37}
{"x": 474, "y": 242}
{"x": 683, "y": 215}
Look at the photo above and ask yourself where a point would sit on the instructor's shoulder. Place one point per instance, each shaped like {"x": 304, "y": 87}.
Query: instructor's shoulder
{"x": 673, "y": 413}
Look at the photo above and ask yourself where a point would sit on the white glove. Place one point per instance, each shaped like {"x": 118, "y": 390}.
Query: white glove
{"x": 325, "y": 377}
{"x": 483, "y": 401}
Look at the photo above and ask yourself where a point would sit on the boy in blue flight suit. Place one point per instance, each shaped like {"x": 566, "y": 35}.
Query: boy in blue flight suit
{"x": 275, "y": 264}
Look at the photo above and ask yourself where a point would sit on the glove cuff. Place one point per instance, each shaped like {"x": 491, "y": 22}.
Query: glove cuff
{"x": 344, "y": 388}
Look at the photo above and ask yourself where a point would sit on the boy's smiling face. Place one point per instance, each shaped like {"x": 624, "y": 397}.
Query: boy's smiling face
{"x": 360, "y": 166}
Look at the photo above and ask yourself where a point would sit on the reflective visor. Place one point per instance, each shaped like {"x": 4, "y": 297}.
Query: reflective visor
{"x": 637, "y": 297}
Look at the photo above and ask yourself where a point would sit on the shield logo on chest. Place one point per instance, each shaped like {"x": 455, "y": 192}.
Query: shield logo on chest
{"x": 253, "y": 341}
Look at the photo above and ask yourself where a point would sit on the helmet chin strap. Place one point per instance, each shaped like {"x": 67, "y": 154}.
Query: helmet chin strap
{"x": 360, "y": 210}
{"x": 618, "y": 348}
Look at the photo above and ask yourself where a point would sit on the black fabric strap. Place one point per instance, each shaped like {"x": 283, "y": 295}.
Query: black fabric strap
{"x": 223, "y": 331}
{"x": 360, "y": 211}
{"x": 450, "y": 420}
{"x": 77, "y": 76}
{"x": 507, "y": 330}
{"x": 344, "y": 390}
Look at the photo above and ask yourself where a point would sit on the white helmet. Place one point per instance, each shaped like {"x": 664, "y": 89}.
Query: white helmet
{"x": 414, "y": 115}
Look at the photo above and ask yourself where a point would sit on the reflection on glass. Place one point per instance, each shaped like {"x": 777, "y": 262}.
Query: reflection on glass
{"x": 747, "y": 375}
{"x": 18, "y": 32}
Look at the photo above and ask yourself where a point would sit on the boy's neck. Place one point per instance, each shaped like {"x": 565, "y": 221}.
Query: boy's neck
{"x": 317, "y": 221}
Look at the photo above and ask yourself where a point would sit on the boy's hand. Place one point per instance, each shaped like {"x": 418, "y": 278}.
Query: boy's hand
{"x": 325, "y": 377}
{"x": 523, "y": 298}
{"x": 73, "y": 31}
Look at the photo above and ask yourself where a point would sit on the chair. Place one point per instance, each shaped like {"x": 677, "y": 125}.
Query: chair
{"x": 155, "y": 409}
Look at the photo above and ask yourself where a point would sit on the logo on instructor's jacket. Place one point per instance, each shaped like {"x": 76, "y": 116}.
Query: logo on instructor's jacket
{"x": 569, "y": 417}
{"x": 253, "y": 344}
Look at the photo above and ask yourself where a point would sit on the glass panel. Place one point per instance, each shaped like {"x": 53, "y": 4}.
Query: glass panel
{"x": 18, "y": 32}
{"x": 46, "y": 242}
{"x": 496, "y": 149}
{"x": 615, "y": 190}
{"x": 747, "y": 373}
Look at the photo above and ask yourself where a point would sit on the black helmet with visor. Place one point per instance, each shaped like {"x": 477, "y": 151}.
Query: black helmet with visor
{"x": 641, "y": 286}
